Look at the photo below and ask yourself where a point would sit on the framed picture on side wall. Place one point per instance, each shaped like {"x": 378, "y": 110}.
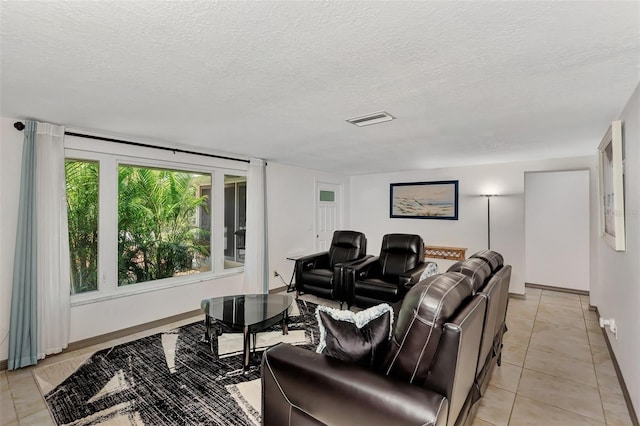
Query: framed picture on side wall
{"x": 612, "y": 187}
{"x": 424, "y": 200}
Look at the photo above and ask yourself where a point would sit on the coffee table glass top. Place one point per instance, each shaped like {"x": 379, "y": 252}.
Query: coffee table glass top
{"x": 246, "y": 310}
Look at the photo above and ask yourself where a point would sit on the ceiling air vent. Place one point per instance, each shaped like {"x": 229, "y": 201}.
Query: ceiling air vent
{"x": 373, "y": 118}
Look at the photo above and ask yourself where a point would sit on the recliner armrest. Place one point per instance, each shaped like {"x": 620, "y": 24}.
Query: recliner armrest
{"x": 411, "y": 277}
{"x": 301, "y": 387}
{"x": 311, "y": 261}
{"x": 353, "y": 263}
{"x": 361, "y": 269}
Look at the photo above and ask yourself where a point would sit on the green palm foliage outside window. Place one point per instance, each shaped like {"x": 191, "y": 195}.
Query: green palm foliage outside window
{"x": 82, "y": 181}
{"x": 158, "y": 233}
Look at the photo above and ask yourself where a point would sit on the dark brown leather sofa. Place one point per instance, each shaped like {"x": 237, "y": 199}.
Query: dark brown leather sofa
{"x": 490, "y": 278}
{"x": 446, "y": 341}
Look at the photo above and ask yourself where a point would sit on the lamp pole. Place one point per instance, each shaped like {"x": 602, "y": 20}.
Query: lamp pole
{"x": 488, "y": 222}
{"x": 488, "y": 219}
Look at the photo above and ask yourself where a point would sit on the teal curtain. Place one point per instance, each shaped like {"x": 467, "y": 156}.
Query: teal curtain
{"x": 23, "y": 333}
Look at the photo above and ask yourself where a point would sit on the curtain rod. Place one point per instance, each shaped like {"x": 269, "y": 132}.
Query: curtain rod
{"x": 20, "y": 126}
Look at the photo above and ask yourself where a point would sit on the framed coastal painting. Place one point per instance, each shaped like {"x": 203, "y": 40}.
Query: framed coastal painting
{"x": 612, "y": 187}
{"x": 424, "y": 200}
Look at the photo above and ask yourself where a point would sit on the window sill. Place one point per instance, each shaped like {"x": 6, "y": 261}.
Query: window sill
{"x": 96, "y": 297}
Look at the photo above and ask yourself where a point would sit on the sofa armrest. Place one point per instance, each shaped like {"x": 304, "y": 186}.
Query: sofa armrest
{"x": 301, "y": 387}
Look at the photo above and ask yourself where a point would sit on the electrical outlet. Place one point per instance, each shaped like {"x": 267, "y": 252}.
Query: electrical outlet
{"x": 275, "y": 273}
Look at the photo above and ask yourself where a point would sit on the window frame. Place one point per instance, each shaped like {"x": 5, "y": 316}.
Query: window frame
{"x": 109, "y": 157}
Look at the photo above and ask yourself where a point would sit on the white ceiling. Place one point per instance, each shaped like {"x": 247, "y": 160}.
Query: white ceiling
{"x": 469, "y": 82}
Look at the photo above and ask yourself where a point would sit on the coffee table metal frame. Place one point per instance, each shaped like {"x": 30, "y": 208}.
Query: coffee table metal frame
{"x": 213, "y": 329}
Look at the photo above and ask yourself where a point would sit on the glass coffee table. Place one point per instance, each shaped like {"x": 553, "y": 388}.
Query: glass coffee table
{"x": 249, "y": 314}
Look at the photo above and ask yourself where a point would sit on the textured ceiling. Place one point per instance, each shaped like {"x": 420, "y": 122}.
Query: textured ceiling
{"x": 469, "y": 82}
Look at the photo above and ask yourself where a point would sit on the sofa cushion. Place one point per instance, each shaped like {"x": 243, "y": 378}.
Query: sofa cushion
{"x": 318, "y": 277}
{"x": 355, "y": 337}
{"x": 375, "y": 288}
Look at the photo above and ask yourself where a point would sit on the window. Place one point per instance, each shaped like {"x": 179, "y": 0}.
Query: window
{"x": 327, "y": 196}
{"x": 235, "y": 220}
{"x": 138, "y": 223}
{"x": 82, "y": 210}
{"x": 157, "y": 232}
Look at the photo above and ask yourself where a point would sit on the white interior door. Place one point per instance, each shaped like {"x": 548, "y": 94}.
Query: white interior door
{"x": 557, "y": 229}
{"x": 328, "y": 198}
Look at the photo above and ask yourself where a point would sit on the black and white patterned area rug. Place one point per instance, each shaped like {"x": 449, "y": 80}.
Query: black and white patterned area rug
{"x": 170, "y": 378}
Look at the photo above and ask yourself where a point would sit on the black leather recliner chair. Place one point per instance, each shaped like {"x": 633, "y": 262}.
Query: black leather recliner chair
{"x": 321, "y": 273}
{"x": 386, "y": 278}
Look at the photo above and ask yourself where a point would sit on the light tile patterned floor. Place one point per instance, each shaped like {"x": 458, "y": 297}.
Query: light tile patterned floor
{"x": 556, "y": 370}
{"x": 556, "y": 367}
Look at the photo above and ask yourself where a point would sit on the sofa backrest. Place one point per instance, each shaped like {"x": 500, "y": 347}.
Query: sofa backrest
{"x": 478, "y": 270}
{"x": 346, "y": 246}
{"x": 400, "y": 253}
{"x": 493, "y": 258}
{"x": 416, "y": 336}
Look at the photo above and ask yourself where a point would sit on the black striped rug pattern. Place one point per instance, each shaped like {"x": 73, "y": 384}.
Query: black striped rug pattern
{"x": 150, "y": 392}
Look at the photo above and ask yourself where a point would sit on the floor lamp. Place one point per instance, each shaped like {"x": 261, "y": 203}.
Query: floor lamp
{"x": 488, "y": 218}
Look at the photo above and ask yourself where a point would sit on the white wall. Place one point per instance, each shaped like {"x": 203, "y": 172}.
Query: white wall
{"x": 291, "y": 214}
{"x": 556, "y": 224}
{"x": 370, "y": 209}
{"x": 98, "y": 318}
{"x": 617, "y": 292}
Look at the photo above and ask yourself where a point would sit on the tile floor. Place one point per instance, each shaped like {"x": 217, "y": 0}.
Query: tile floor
{"x": 556, "y": 370}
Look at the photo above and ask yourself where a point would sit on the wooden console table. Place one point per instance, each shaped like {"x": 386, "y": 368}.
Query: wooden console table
{"x": 441, "y": 252}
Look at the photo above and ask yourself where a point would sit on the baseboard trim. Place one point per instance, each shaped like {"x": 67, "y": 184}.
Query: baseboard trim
{"x": 81, "y": 344}
{"x": 517, "y": 296}
{"x": 277, "y": 289}
{"x": 623, "y": 385}
{"x": 562, "y": 289}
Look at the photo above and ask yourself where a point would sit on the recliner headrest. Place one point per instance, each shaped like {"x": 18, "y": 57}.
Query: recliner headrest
{"x": 347, "y": 246}
{"x": 348, "y": 239}
{"x": 407, "y": 243}
{"x": 400, "y": 253}
{"x": 475, "y": 268}
{"x": 493, "y": 258}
